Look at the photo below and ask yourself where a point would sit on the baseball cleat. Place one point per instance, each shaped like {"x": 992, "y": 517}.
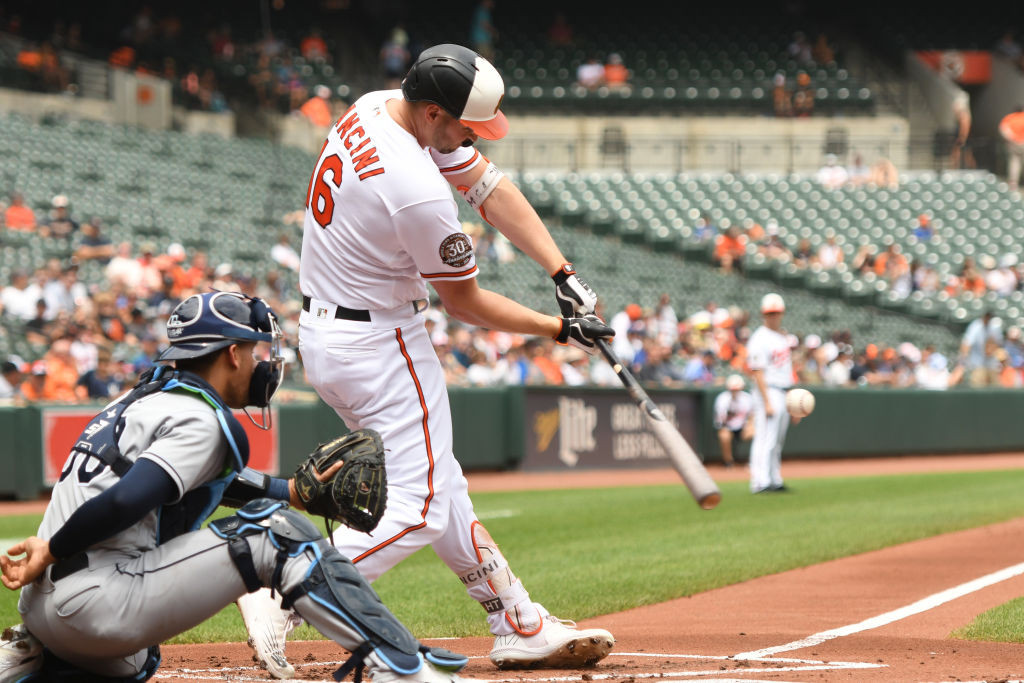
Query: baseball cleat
{"x": 21, "y": 654}
{"x": 558, "y": 645}
{"x": 268, "y": 629}
{"x": 428, "y": 673}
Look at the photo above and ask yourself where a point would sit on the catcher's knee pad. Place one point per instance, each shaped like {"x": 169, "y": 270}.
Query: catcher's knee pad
{"x": 289, "y": 531}
{"x": 492, "y": 582}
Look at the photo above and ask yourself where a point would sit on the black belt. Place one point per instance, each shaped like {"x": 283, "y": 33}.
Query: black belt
{"x": 341, "y": 312}
{"x": 68, "y": 566}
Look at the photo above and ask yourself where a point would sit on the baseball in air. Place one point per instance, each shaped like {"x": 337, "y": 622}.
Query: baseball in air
{"x": 799, "y": 402}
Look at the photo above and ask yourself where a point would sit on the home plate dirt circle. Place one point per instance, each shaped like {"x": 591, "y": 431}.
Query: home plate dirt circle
{"x": 885, "y": 615}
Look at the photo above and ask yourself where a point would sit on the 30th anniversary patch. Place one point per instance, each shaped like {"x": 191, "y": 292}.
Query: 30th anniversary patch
{"x": 456, "y": 250}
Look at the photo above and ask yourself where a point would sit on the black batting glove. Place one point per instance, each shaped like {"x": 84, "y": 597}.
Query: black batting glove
{"x": 574, "y": 296}
{"x": 582, "y": 332}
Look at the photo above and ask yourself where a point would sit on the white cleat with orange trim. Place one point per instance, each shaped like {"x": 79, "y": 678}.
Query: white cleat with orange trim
{"x": 558, "y": 645}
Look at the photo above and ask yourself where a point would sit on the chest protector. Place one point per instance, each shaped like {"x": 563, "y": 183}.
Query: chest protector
{"x": 100, "y": 440}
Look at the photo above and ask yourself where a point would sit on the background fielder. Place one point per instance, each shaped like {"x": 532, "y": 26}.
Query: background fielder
{"x": 381, "y": 223}
{"x": 771, "y": 365}
{"x": 733, "y": 417}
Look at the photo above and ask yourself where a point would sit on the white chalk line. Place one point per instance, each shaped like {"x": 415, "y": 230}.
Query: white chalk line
{"x": 762, "y": 655}
{"x": 922, "y": 605}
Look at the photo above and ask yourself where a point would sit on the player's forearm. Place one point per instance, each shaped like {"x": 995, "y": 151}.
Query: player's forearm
{"x": 509, "y": 211}
{"x": 493, "y": 311}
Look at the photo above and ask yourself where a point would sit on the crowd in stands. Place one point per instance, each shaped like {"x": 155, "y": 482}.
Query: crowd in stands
{"x": 95, "y": 341}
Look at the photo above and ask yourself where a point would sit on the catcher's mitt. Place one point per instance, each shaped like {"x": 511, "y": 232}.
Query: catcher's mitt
{"x": 357, "y": 494}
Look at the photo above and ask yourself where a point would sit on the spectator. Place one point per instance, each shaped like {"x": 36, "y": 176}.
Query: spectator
{"x": 1009, "y": 49}
{"x": 1003, "y": 279}
{"x": 891, "y": 264}
{"x": 858, "y": 172}
{"x": 804, "y": 256}
{"x": 124, "y": 269}
{"x": 838, "y": 371}
{"x": 482, "y": 33}
{"x": 284, "y": 254}
{"x": 1007, "y": 376}
{"x": 730, "y": 249}
{"x": 705, "y": 230}
{"x": 923, "y": 231}
{"x": 60, "y": 223}
{"x": 832, "y": 176}
{"x": 803, "y": 96}
{"x": 667, "y": 331}
{"x": 864, "y": 260}
{"x": 822, "y": 52}
{"x": 20, "y": 296}
{"x": 1011, "y": 128}
{"x": 394, "y": 57}
{"x": 151, "y": 279}
{"x": 733, "y": 417}
{"x": 799, "y": 49}
{"x": 590, "y": 74}
{"x": 33, "y": 389}
{"x": 102, "y": 382}
{"x": 11, "y": 378}
{"x": 18, "y": 216}
{"x": 622, "y": 322}
{"x": 313, "y": 47}
{"x": 772, "y": 247}
{"x": 61, "y": 373}
{"x": 782, "y": 98}
{"x": 224, "y": 278}
{"x": 317, "y": 109}
{"x": 616, "y": 75}
{"x": 960, "y": 155}
{"x": 657, "y": 369}
{"x": 560, "y": 31}
{"x": 92, "y": 245}
{"x": 701, "y": 369}
{"x": 830, "y": 254}
{"x": 884, "y": 175}
{"x": 37, "y": 330}
{"x": 977, "y": 344}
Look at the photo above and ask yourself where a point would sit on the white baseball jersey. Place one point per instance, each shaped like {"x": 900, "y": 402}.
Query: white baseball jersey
{"x": 177, "y": 431}
{"x": 381, "y": 220}
{"x": 732, "y": 411}
{"x": 769, "y": 350}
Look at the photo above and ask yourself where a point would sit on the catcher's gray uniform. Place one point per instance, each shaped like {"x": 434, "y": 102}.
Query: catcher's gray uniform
{"x": 105, "y": 609}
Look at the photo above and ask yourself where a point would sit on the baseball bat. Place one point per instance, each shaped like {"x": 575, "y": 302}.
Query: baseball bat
{"x": 682, "y": 456}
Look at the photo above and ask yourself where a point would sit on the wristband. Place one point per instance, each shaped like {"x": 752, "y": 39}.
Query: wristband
{"x": 563, "y": 273}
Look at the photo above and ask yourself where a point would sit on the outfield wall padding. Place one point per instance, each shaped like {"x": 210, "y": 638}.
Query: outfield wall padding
{"x": 561, "y": 429}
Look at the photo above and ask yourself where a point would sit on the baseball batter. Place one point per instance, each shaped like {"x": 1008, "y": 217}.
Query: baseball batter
{"x": 120, "y": 564}
{"x": 380, "y": 224}
{"x": 768, "y": 356}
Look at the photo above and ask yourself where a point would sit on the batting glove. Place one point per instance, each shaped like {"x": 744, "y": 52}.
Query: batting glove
{"x": 574, "y": 296}
{"x": 582, "y": 332}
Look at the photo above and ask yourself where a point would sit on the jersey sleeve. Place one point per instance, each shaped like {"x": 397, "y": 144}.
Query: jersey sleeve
{"x": 430, "y": 232}
{"x": 190, "y": 447}
{"x": 459, "y": 161}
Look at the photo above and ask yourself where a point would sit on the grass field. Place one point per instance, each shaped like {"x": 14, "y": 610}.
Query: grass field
{"x": 586, "y": 552}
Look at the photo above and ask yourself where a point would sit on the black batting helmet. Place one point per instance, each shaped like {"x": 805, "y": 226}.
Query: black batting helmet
{"x": 462, "y": 83}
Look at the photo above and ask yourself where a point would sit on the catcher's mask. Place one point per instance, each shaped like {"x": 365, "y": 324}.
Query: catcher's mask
{"x": 204, "y": 323}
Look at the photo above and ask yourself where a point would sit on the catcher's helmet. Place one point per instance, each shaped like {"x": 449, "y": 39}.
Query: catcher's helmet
{"x": 204, "y": 323}
{"x": 462, "y": 83}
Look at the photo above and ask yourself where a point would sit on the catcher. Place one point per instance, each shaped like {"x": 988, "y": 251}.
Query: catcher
{"x": 120, "y": 563}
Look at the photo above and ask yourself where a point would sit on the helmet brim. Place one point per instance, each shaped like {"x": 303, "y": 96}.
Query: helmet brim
{"x": 493, "y": 129}
{"x": 193, "y": 349}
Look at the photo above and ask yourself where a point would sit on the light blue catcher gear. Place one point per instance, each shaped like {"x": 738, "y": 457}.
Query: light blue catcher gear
{"x": 333, "y": 595}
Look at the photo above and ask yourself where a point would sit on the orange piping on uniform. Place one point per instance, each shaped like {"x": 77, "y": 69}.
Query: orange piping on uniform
{"x": 388, "y": 542}
{"x": 426, "y": 425}
{"x": 470, "y": 162}
{"x": 468, "y": 271}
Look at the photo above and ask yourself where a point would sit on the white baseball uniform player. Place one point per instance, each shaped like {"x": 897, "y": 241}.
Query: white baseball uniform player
{"x": 732, "y": 411}
{"x": 120, "y": 563}
{"x": 770, "y": 362}
{"x": 380, "y": 224}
